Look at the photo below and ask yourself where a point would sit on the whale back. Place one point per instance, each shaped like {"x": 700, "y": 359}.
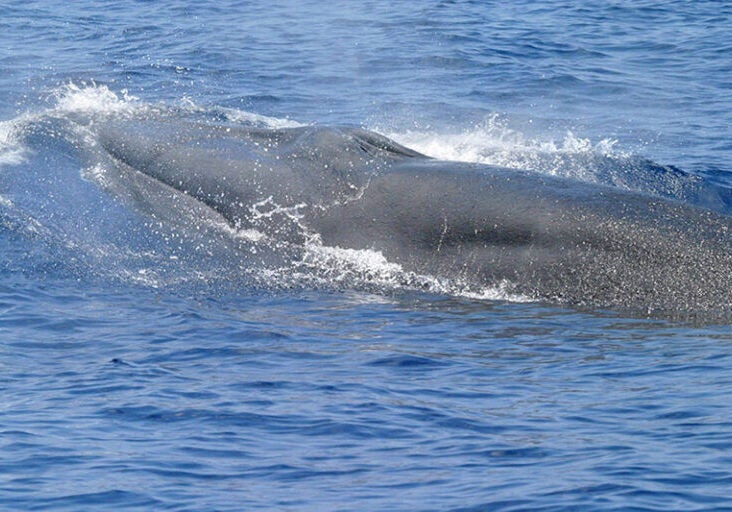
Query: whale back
{"x": 225, "y": 166}
{"x": 549, "y": 238}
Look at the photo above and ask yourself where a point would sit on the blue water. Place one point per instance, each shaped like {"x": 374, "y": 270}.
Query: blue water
{"x": 146, "y": 367}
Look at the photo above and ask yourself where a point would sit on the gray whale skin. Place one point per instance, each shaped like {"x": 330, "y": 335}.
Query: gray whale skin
{"x": 550, "y": 238}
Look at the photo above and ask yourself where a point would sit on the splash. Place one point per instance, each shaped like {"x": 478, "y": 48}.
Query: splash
{"x": 76, "y": 103}
{"x": 494, "y": 142}
{"x": 370, "y": 269}
{"x": 93, "y": 98}
{"x": 12, "y": 152}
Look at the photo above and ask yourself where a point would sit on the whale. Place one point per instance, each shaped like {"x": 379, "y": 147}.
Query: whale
{"x": 548, "y": 238}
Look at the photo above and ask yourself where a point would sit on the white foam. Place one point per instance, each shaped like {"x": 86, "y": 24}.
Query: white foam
{"x": 91, "y": 98}
{"x": 86, "y": 99}
{"x": 98, "y": 174}
{"x": 493, "y": 142}
{"x": 370, "y": 267}
{"x": 499, "y": 292}
{"x": 12, "y": 151}
{"x": 15, "y": 156}
{"x": 344, "y": 262}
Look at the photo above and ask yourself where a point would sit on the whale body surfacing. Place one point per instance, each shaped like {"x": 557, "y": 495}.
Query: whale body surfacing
{"x": 550, "y": 238}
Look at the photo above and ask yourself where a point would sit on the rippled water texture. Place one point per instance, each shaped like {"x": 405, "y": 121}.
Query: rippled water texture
{"x": 145, "y": 365}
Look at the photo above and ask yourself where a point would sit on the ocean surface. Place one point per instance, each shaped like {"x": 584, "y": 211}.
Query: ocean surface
{"x": 145, "y": 368}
